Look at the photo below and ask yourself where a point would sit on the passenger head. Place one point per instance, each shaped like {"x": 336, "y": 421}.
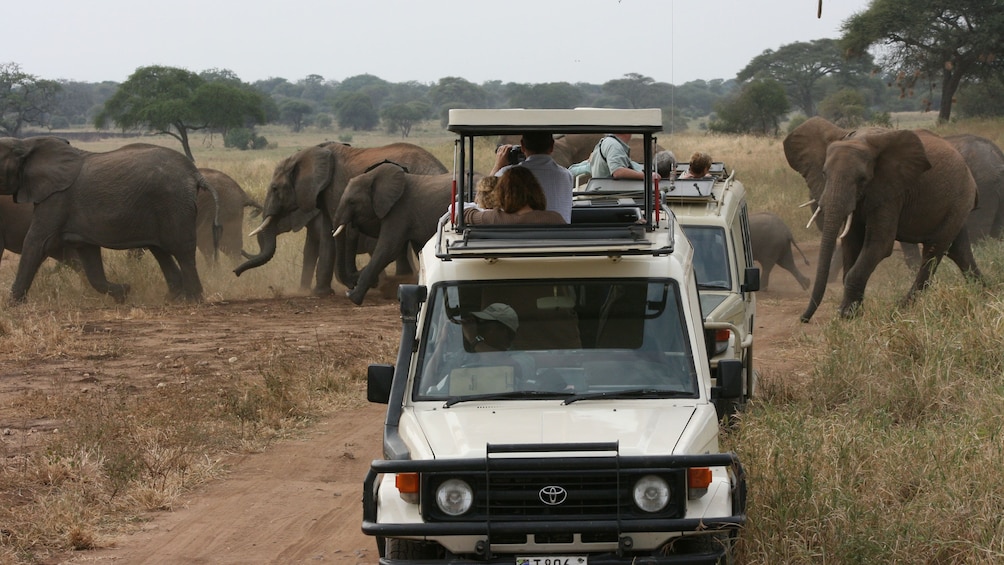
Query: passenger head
{"x": 665, "y": 164}
{"x": 537, "y": 142}
{"x": 486, "y": 195}
{"x": 700, "y": 164}
{"x": 518, "y": 187}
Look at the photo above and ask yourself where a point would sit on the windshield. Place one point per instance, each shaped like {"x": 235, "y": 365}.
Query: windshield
{"x": 519, "y": 340}
{"x": 711, "y": 256}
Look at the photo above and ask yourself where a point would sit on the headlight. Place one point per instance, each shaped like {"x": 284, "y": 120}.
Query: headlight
{"x": 454, "y": 497}
{"x": 651, "y": 493}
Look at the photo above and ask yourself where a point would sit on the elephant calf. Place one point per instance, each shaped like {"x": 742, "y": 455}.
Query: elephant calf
{"x": 771, "y": 241}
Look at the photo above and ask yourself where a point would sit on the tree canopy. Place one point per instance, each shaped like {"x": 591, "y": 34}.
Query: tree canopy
{"x": 799, "y": 66}
{"x": 756, "y": 109}
{"x": 24, "y": 99}
{"x": 175, "y": 101}
{"x": 931, "y": 40}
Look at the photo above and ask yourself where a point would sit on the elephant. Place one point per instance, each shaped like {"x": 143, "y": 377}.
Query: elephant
{"x": 882, "y": 186}
{"x": 986, "y": 163}
{"x": 395, "y": 207}
{"x": 771, "y": 241}
{"x": 137, "y": 196}
{"x": 305, "y": 190}
{"x": 232, "y": 201}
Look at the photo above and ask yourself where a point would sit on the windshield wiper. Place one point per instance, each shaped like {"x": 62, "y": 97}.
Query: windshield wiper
{"x": 511, "y": 395}
{"x": 630, "y": 393}
{"x": 714, "y": 285}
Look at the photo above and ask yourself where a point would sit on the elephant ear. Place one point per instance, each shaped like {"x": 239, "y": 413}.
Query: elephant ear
{"x": 388, "y": 186}
{"x": 900, "y": 157}
{"x": 47, "y": 165}
{"x": 312, "y": 173}
{"x": 805, "y": 150}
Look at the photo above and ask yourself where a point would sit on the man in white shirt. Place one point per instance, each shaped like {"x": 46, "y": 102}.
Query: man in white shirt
{"x": 556, "y": 180}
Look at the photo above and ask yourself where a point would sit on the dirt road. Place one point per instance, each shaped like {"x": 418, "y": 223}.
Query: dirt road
{"x": 298, "y": 501}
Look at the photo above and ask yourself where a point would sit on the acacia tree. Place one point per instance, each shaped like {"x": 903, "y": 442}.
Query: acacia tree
{"x": 401, "y": 117}
{"x": 756, "y": 109}
{"x": 799, "y": 66}
{"x": 24, "y": 99}
{"x": 173, "y": 101}
{"x": 950, "y": 40}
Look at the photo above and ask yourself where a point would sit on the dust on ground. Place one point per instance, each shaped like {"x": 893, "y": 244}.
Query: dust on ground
{"x": 299, "y": 501}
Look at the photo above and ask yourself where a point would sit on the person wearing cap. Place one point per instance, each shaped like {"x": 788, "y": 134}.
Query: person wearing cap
{"x": 556, "y": 181}
{"x": 491, "y": 329}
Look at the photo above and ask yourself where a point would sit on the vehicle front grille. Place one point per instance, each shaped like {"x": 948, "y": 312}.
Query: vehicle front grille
{"x": 590, "y": 494}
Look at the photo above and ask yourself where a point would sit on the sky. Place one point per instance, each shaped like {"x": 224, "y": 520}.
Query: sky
{"x": 523, "y": 41}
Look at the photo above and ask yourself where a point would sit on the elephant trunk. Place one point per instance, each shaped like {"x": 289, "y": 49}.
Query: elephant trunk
{"x": 266, "y": 247}
{"x": 831, "y": 230}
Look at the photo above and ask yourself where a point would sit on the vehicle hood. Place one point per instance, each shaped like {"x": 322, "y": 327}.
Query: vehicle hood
{"x": 464, "y": 429}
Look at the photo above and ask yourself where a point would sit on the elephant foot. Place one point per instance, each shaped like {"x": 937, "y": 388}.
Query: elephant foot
{"x": 322, "y": 291}
{"x": 851, "y": 310}
{"x": 356, "y": 295}
{"x": 17, "y": 299}
{"x": 118, "y": 292}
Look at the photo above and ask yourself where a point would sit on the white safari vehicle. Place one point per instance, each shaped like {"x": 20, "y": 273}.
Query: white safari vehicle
{"x": 713, "y": 214}
{"x": 592, "y": 436}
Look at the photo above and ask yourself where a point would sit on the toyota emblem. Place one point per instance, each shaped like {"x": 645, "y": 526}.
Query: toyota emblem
{"x": 553, "y": 495}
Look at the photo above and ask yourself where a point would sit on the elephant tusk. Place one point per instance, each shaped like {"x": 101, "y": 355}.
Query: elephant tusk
{"x": 813, "y": 218}
{"x": 809, "y": 203}
{"x": 264, "y": 224}
{"x": 337, "y": 231}
{"x": 847, "y": 226}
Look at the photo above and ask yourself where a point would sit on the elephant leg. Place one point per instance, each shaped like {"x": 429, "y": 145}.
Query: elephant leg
{"x": 961, "y": 253}
{"x": 875, "y": 248}
{"x": 403, "y": 264}
{"x": 765, "y": 267}
{"x": 310, "y": 245}
{"x": 787, "y": 262}
{"x": 911, "y": 254}
{"x": 94, "y": 270}
{"x": 190, "y": 281}
{"x": 325, "y": 258}
{"x": 382, "y": 256}
{"x": 33, "y": 252}
{"x": 930, "y": 259}
{"x": 172, "y": 274}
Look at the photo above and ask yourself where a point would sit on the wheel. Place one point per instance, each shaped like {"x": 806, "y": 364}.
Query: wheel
{"x": 410, "y": 549}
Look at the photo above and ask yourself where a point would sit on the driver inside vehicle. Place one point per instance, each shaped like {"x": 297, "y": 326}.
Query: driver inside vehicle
{"x": 491, "y": 329}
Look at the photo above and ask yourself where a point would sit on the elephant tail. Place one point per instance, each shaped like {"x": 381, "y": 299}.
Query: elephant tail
{"x": 804, "y": 258}
{"x": 203, "y": 184}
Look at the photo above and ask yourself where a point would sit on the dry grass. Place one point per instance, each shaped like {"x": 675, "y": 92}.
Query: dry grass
{"x": 882, "y": 449}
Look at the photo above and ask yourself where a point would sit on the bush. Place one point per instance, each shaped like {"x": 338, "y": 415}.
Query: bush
{"x": 244, "y": 139}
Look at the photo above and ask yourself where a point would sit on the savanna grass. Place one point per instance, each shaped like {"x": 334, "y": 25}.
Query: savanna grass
{"x": 887, "y": 452}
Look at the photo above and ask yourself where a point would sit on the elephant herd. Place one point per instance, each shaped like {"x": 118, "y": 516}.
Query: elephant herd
{"x": 62, "y": 202}
{"x": 869, "y": 188}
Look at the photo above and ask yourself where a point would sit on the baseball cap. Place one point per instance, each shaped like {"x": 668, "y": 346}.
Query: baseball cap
{"x": 501, "y": 313}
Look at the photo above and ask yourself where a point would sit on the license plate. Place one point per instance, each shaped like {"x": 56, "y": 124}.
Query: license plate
{"x": 552, "y": 560}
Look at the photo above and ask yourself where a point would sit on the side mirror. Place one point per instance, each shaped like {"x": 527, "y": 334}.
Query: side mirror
{"x": 752, "y": 279}
{"x": 378, "y": 380}
{"x": 730, "y": 380}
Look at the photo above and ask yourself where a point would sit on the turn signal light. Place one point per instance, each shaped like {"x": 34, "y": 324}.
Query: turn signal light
{"x": 698, "y": 480}
{"x": 722, "y": 341}
{"x": 407, "y": 485}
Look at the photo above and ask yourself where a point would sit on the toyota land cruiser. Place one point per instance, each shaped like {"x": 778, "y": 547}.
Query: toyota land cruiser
{"x": 591, "y": 434}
